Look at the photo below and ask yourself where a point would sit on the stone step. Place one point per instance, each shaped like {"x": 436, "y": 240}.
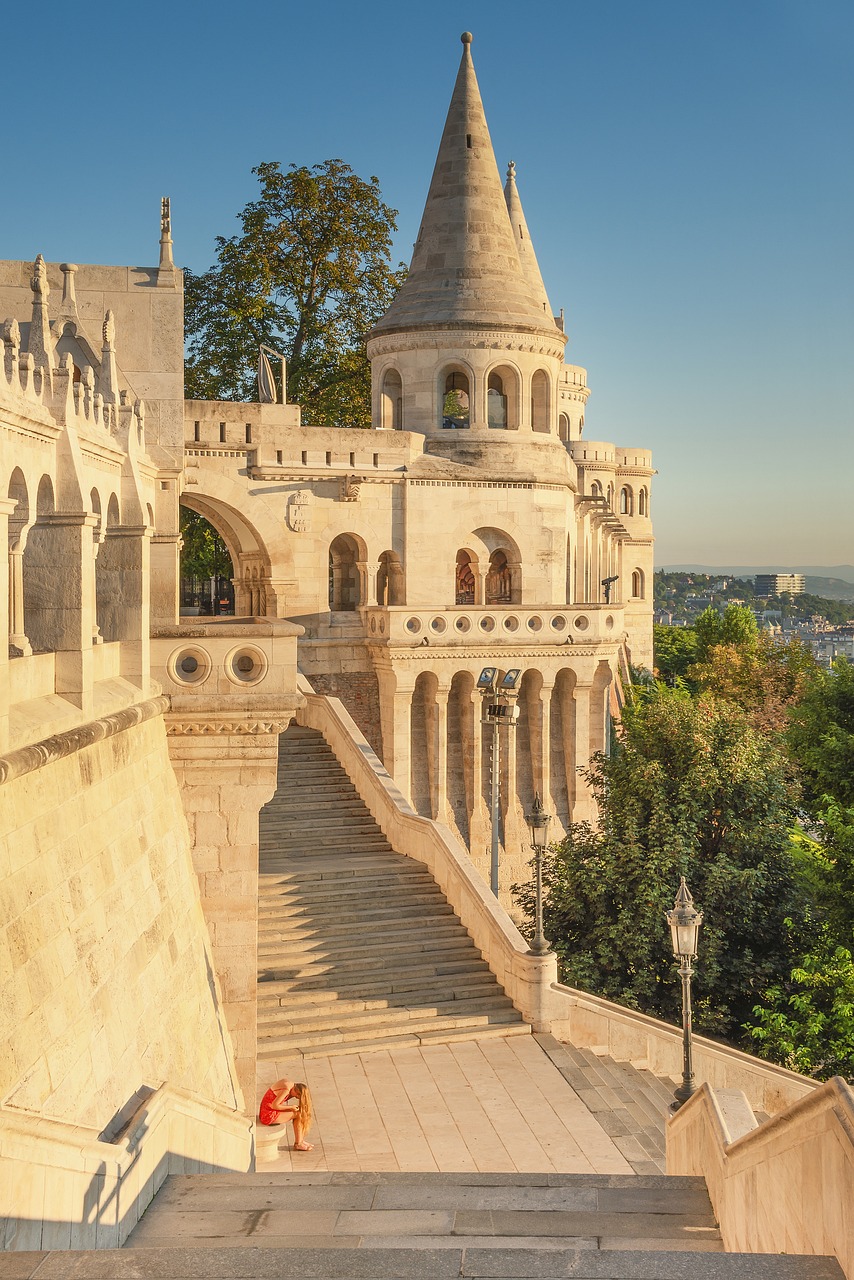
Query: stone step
{"x": 305, "y": 895}
{"x": 337, "y": 1014}
{"x": 407, "y": 1040}
{"x": 394, "y": 917}
{"x": 287, "y": 1042}
{"x": 383, "y": 975}
{"x": 342, "y": 947}
{"x": 381, "y": 997}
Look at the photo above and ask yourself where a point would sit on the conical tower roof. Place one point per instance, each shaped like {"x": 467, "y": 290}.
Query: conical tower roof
{"x": 465, "y": 268}
{"x": 524, "y": 244}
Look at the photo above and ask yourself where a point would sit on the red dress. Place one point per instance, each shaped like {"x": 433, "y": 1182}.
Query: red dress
{"x": 267, "y": 1113}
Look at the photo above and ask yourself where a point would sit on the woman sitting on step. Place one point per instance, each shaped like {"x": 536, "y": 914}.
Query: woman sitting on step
{"x": 286, "y": 1101}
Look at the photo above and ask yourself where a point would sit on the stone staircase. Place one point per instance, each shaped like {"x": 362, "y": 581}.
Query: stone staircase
{"x": 373, "y": 1225}
{"x": 358, "y": 949}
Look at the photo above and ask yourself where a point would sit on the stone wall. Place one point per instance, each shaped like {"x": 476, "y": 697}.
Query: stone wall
{"x": 105, "y": 961}
{"x": 360, "y": 693}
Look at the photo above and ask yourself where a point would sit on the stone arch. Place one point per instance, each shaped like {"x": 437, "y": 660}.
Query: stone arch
{"x": 627, "y": 501}
{"x": 564, "y": 429}
{"x": 466, "y": 578}
{"x": 110, "y": 586}
{"x": 562, "y": 745}
{"x": 500, "y": 567}
{"x": 346, "y": 568}
{"x": 643, "y": 502}
{"x": 424, "y": 745}
{"x": 391, "y": 400}
{"x": 541, "y": 401}
{"x": 391, "y": 583}
{"x": 45, "y": 501}
{"x": 529, "y": 740}
{"x": 245, "y": 545}
{"x": 19, "y": 525}
{"x": 462, "y": 784}
{"x": 456, "y": 395}
{"x": 503, "y": 394}
{"x": 638, "y": 584}
{"x": 596, "y": 489}
{"x": 600, "y": 711}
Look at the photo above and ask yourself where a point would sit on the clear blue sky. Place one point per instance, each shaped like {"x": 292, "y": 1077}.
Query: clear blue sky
{"x": 686, "y": 172}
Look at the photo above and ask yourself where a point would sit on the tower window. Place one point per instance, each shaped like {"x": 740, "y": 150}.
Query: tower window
{"x": 455, "y": 406}
{"x": 468, "y": 141}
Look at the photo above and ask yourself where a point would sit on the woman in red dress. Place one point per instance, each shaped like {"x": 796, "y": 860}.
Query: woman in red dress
{"x": 284, "y": 1102}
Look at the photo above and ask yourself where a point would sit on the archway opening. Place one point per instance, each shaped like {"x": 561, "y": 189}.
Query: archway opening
{"x": 465, "y": 591}
{"x": 456, "y": 411}
{"x": 390, "y": 580}
{"x": 499, "y": 583}
{"x": 391, "y": 401}
{"x": 540, "y": 401}
{"x": 206, "y": 568}
{"x": 344, "y": 592}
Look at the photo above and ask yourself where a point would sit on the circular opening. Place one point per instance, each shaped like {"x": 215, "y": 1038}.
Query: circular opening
{"x": 438, "y": 625}
{"x": 463, "y": 624}
{"x": 246, "y": 665}
{"x": 511, "y": 623}
{"x": 581, "y": 623}
{"x": 609, "y": 622}
{"x": 413, "y": 625}
{"x": 487, "y": 623}
{"x": 558, "y": 622}
{"x": 189, "y": 666}
{"x": 535, "y": 623}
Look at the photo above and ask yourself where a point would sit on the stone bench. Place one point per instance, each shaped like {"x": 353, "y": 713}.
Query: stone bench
{"x": 267, "y": 1139}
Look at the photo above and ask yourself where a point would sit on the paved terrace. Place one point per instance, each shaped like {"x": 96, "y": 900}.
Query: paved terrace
{"x": 524, "y": 1104}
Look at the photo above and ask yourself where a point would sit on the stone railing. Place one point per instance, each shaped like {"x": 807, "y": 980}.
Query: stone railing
{"x": 531, "y": 981}
{"x": 466, "y": 625}
{"x": 784, "y": 1187}
{"x": 65, "y": 1188}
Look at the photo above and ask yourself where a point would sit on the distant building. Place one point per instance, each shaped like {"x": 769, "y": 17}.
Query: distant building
{"x": 778, "y": 584}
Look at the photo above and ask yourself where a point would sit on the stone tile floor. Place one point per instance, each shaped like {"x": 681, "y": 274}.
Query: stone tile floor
{"x": 470, "y": 1106}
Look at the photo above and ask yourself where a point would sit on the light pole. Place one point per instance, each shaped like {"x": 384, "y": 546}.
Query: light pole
{"x": 685, "y": 921}
{"x": 499, "y": 690}
{"x": 538, "y": 826}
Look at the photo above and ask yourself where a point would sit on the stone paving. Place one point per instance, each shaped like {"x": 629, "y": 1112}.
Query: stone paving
{"x": 487, "y": 1106}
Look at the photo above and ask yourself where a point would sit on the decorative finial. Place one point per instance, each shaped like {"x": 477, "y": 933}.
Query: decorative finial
{"x": 39, "y": 282}
{"x": 466, "y": 37}
{"x": 511, "y": 171}
{"x": 165, "y": 217}
{"x": 109, "y": 329}
{"x": 167, "y": 266}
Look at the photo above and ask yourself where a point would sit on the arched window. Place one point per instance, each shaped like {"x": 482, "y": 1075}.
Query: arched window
{"x": 496, "y": 401}
{"x": 540, "y": 401}
{"x": 465, "y": 589}
{"x": 643, "y": 503}
{"x": 391, "y": 401}
{"x": 563, "y": 428}
{"x": 344, "y": 593}
{"x": 499, "y": 585}
{"x": 626, "y": 502}
{"x": 581, "y": 424}
{"x": 596, "y": 489}
{"x": 456, "y": 410}
{"x": 638, "y": 584}
{"x": 611, "y": 496}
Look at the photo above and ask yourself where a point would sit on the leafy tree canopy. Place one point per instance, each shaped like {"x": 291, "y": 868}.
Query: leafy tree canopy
{"x": 204, "y": 554}
{"x": 308, "y": 275}
{"x": 821, "y": 736}
{"x": 692, "y": 789}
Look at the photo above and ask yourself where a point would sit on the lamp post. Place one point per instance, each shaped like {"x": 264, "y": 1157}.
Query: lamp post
{"x": 538, "y": 826}
{"x": 499, "y": 690}
{"x": 685, "y": 921}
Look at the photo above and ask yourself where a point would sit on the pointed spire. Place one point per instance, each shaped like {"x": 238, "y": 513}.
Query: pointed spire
{"x": 41, "y": 344}
{"x": 465, "y": 268}
{"x": 524, "y": 245}
{"x": 166, "y": 270}
{"x": 109, "y": 377}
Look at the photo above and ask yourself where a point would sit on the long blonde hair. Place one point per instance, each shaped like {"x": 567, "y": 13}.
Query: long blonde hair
{"x": 303, "y": 1094}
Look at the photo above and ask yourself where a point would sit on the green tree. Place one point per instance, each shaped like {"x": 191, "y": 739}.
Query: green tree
{"x": 203, "y": 554}
{"x": 309, "y": 274}
{"x": 764, "y": 677}
{"x": 821, "y": 736}
{"x": 674, "y": 651}
{"x": 807, "y": 1022}
{"x": 692, "y": 789}
{"x": 735, "y": 626}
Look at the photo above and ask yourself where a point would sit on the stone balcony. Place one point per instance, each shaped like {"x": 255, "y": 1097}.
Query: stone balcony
{"x": 465, "y": 625}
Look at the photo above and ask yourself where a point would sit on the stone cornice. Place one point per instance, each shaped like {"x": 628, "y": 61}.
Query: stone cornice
{"x": 185, "y": 728}
{"x": 28, "y": 759}
{"x": 475, "y": 337}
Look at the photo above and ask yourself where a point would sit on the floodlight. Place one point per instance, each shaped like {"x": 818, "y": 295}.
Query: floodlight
{"x": 488, "y": 679}
{"x": 510, "y": 682}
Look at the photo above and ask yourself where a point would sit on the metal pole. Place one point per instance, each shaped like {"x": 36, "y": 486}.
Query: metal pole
{"x": 688, "y": 1085}
{"x": 540, "y": 946}
{"x": 494, "y": 811}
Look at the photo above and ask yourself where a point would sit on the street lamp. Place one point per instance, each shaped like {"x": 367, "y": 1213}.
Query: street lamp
{"x": 538, "y": 826}
{"x": 499, "y": 690}
{"x": 685, "y": 921}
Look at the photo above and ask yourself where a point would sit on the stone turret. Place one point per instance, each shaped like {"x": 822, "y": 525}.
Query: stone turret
{"x": 521, "y": 235}
{"x": 468, "y": 352}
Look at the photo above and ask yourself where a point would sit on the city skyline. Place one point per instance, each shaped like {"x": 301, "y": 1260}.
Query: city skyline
{"x": 684, "y": 177}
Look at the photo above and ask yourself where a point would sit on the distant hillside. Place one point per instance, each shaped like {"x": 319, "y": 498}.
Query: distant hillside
{"x": 834, "y": 582}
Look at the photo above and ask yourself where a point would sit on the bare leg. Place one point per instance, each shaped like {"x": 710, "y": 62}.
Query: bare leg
{"x": 300, "y": 1143}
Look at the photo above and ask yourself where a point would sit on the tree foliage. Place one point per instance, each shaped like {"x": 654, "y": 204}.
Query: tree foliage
{"x": 821, "y": 736}
{"x": 203, "y": 554}
{"x": 692, "y": 790}
{"x": 308, "y": 274}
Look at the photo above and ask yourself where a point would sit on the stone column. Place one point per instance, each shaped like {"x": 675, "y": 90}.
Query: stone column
{"x": 584, "y": 809}
{"x": 164, "y": 578}
{"x": 226, "y": 772}
{"x": 59, "y": 599}
{"x": 543, "y": 778}
{"x": 440, "y": 803}
{"x": 15, "y": 599}
{"x": 395, "y": 689}
{"x": 7, "y": 506}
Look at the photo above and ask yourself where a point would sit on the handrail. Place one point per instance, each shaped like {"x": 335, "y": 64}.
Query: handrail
{"x": 784, "y": 1187}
